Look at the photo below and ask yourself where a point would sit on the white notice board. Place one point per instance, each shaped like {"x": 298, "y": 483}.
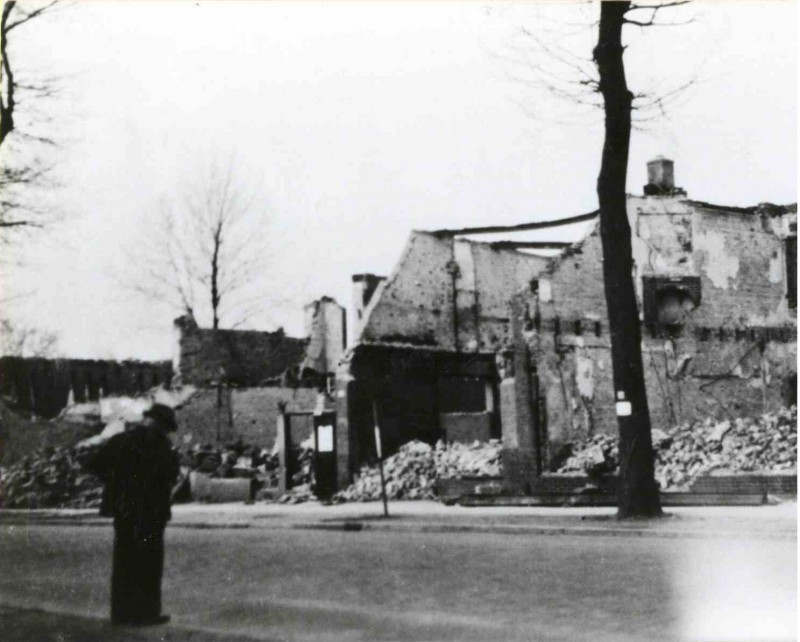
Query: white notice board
{"x": 325, "y": 439}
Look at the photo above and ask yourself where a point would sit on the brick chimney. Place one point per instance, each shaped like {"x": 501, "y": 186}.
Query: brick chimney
{"x": 364, "y": 286}
{"x": 661, "y": 178}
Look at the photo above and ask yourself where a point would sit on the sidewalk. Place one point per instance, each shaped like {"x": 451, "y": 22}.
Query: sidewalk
{"x": 772, "y": 522}
{"x": 24, "y": 625}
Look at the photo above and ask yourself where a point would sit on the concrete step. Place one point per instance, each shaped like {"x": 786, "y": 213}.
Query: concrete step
{"x": 598, "y": 499}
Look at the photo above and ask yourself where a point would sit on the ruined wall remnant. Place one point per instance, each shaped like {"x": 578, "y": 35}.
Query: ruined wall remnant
{"x": 716, "y": 288}
{"x": 413, "y": 304}
{"x": 735, "y": 256}
{"x": 327, "y": 331}
{"x": 365, "y": 288}
{"x": 719, "y": 337}
{"x": 246, "y": 414}
{"x": 449, "y": 293}
{"x": 238, "y": 357}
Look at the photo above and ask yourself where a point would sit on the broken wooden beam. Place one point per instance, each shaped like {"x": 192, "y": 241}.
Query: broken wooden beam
{"x": 522, "y": 227}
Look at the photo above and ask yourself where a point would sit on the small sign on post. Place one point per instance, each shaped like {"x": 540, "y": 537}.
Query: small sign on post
{"x": 379, "y": 450}
{"x": 325, "y": 439}
{"x": 623, "y": 407}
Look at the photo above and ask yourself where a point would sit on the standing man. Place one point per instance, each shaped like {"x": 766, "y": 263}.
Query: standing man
{"x": 139, "y": 468}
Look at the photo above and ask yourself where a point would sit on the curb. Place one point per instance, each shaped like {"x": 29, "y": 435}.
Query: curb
{"x": 355, "y": 525}
{"x": 542, "y": 530}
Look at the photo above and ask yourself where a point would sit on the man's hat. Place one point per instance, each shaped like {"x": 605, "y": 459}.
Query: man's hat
{"x": 163, "y": 415}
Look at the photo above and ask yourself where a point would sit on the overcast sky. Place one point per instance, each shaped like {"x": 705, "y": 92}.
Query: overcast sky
{"x": 358, "y": 122}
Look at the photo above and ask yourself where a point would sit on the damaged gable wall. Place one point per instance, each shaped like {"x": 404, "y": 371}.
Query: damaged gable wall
{"x": 415, "y": 305}
{"x": 412, "y": 305}
{"x": 735, "y": 351}
{"x": 424, "y": 357}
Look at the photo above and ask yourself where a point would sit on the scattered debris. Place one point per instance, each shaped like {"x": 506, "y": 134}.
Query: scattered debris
{"x": 745, "y": 444}
{"x": 412, "y": 472}
{"x": 52, "y": 478}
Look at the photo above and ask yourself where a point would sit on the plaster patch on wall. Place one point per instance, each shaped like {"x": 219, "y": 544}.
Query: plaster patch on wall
{"x": 545, "y": 291}
{"x": 720, "y": 267}
{"x": 776, "y": 268}
{"x": 584, "y": 374}
{"x": 462, "y": 253}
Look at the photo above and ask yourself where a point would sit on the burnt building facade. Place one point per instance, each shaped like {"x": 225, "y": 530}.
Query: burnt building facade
{"x": 248, "y": 380}
{"x": 464, "y": 332}
{"x": 424, "y": 362}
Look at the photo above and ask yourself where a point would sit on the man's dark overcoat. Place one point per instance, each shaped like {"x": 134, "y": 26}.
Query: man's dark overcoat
{"x": 139, "y": 469}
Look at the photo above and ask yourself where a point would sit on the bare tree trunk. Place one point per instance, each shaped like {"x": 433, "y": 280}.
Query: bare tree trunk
{"x": 638, "y": 494}
{"x": 216, "y": 296}
{"x": 7, "y": 105}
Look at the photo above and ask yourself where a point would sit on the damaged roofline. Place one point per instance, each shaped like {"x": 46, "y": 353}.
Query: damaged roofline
{"x": 522, "y": 227}
{"x": 418, "y": 348}
{"x": 769, "y": 208}
{"x": 505, "y": 246}
{"x": 532, "y": 245}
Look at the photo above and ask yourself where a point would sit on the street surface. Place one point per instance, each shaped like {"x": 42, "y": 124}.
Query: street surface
{"x": 383, "y": 585}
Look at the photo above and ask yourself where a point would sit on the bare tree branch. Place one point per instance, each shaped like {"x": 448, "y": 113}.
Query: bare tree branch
{"x": 21, "y": 341}
{"x": 663, "y": 5}
{"x": 27, "y": 17}
{"x": 25, "y": 174}
{"x": 4, "y": 223}
{"x": 206, "y": 251}
{"x": 573, "y": 78}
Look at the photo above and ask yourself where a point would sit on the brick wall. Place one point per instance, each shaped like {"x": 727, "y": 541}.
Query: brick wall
{"x": 240, "y": 357}
{"x": 741, "y": 263}
{"x": 326, "y": 330}
{"x": 735, "y": 353}
{"x": 249, "y": 414}
{"x": 416, "y": 303}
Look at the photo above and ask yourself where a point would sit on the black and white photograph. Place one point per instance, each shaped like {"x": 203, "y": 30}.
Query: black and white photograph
{"x": 383, "y": 320}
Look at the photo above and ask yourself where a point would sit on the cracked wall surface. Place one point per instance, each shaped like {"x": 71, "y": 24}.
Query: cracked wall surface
{"x": 735, "y": 352}
{"x": 240, "y": 357}
{"x": 449, "y": 293}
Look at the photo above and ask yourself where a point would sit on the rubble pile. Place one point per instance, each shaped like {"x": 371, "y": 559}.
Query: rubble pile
{"x": 688, "y": 451}
{"x": 479, "y": 459}
{"x": 50, "y": 478}
{"x": 303, "y": 481}
{"x": 745, "y": 444}
{"x": 298, "y": 494}
{"x": 595, "y": 456}
{"x": 412, "y": 472}
{"x": 232, "y": 461}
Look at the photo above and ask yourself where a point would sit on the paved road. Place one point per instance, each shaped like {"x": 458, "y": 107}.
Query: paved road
{"x": 341, "y": 586}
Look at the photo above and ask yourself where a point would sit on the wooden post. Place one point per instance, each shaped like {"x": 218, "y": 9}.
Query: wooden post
{"x": 379, "y": 450}
{"x": 219, "y": 412}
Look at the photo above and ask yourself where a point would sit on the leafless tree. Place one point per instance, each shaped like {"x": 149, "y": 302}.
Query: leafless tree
{"x": 206, "y": 251}
{"x": 22, "y": 341}
{"x": 600, "y": 82}
{"x": 638, "y": 493}
{"x": 550, "y": 57}
{"x": 25, "y": 170}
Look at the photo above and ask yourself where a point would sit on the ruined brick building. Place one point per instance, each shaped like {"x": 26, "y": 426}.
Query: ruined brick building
{"x": 470, "y": 339}
{"x": 246, "y": 378}
{"x": 253, "y": 358}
